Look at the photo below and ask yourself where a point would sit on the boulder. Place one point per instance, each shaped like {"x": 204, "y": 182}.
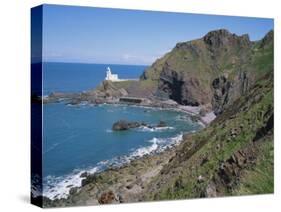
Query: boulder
{"x": 84, "y": 174}
{"x": 107, "y": 197}
{"x": 122, "y": 125}
{"x": 211, "y": 190}
{"x": 89, "y": 179}
{"x": 161, "y": 124}
{"x": 73, "y": 190}
{"x": 200, "y": 179}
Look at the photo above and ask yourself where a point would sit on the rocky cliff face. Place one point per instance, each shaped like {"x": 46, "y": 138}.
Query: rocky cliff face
{"x": 232, "y": 156}
{"x": 216, "y": 69}
{"x": 183, "y": 89}
{"x": 226, "y": 91}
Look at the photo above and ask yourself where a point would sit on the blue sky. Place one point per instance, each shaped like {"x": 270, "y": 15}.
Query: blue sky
{"x": 98, "y": 35}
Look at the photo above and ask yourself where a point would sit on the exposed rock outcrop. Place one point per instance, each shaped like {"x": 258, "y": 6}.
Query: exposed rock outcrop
{"x": 123, "y": 125}
{"x": 181, "y": 88}
{"x": 107, "y": 197}
{"x": 227, "y": 91}
{"x": 216, "y": 69}
{"x": 224, "y": 157}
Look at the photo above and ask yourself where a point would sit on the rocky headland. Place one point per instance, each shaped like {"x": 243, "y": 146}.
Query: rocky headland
{"x": 222, "y": 78}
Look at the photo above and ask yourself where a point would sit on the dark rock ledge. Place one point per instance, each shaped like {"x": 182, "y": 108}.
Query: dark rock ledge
{"x": 123, "y": 125}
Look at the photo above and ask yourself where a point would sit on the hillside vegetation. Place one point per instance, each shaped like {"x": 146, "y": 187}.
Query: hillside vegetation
{"x": 214, "y": 70}
{"x": 233, "y": 156}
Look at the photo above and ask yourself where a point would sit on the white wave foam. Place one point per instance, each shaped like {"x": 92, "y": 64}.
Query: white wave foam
{"x": 59, "y": 187}
{"x": 181, "y": 117}
{"x": 153, "y": 129}
{"x": 144, "y": 150}
{"x": 168, "y": 141}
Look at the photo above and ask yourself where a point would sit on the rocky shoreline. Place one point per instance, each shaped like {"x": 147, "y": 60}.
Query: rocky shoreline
{"x": 189, "y": 164}
{"x": 132, "y": 182}
{"x": 202, "y": 114}
{"x": 126, "y": 183}
{"x": 153, "y": 162}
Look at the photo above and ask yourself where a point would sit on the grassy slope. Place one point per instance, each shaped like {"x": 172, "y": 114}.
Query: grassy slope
{"x": 194, "y": 58}
{"x": 179, "y": 179}
{"x": 215, "y": 145}
{"x": 143, "y": 88}
{"x": 260, "y": 179}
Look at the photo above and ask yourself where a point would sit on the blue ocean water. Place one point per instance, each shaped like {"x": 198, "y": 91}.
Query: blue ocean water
{"x": 79, "y": 138}
{"x": 78, "y": 77}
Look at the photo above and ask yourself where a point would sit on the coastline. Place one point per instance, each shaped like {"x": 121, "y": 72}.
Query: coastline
{"x": 91, "y": 98}
{"x": 74, "y": 180}
{"x": 194, "y": 111}
{"x": 143, "y": 178}
{"x": 128, "y": 181}
{"x": 162, "y": 156}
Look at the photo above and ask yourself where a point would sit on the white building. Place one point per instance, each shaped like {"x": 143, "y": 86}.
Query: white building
{"x": 114, "y": 77}
{"x": 110, "y": 76}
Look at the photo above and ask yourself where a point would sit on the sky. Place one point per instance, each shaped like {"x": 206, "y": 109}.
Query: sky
{"x": 116, "y": 36}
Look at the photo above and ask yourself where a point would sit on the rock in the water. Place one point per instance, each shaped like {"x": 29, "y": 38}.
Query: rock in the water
{"x": 84, "y": 174}
{"x": 89, "y": 179}
{"x": 122, "y": 125}
{"x": 162, "y": 124}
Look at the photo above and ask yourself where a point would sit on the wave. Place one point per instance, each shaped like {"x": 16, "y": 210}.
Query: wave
{"x": 154, "y": 129}
{"x": 58, "y": 187}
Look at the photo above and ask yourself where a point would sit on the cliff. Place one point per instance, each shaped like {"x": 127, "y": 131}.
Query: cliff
{"x": 214, "y": 70}
{"x": 232, "y": 156}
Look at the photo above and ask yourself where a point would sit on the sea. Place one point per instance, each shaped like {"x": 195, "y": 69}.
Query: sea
{"x": 80, "y": 138}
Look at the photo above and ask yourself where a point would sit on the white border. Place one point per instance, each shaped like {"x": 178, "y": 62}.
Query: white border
{"x": 15, "y": 87}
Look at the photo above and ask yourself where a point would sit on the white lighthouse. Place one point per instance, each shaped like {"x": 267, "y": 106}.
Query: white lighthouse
{"x": 110, "y": 76}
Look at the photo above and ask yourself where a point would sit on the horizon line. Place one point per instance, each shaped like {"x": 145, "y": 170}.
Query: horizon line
{"x": 91, "y": 63}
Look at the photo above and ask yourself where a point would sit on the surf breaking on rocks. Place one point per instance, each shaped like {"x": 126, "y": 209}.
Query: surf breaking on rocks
{"x": 59, "y": 187}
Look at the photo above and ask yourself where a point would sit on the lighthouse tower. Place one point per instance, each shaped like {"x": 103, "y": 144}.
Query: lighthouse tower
{"x": 110, "y": 76}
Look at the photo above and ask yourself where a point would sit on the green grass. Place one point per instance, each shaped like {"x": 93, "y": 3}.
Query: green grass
{"x": 259, "y": 180}
{"x": 214, "y": 139}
